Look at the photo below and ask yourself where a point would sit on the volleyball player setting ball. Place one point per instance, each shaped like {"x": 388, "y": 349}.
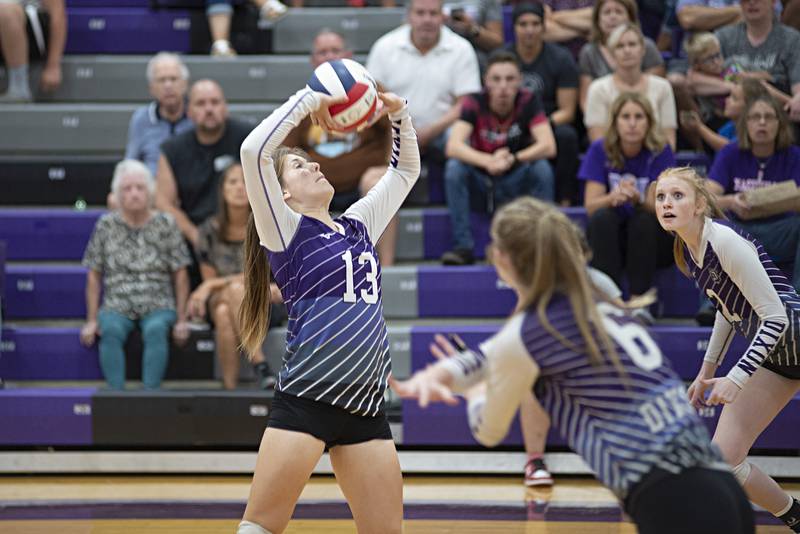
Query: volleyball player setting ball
{"x": 599, "y": 376}
{"x": 752, "y": 297}
{"x": 330, "y": 390}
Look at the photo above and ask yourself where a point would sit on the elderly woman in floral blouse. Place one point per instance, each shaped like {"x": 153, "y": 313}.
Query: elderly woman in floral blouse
{"x": 140, "y": 258}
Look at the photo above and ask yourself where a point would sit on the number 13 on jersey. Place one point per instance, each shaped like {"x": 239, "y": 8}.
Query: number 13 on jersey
{"x": 370, "y": 296}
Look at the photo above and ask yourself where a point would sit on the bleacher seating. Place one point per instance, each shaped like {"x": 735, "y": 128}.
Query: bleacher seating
{"x": 62, "y": 150}
{"x": 96, "y": 129}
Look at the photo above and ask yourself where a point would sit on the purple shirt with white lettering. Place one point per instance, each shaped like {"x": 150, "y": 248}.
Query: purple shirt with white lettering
{"x": 738, "y": 170}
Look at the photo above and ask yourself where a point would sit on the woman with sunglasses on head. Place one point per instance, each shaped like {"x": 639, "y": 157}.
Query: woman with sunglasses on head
{"x": 752, "y": 298}
{"x": 598, "y": 374}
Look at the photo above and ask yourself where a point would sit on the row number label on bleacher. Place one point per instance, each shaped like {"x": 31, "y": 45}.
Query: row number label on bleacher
{"x": 82, "y": 409}
{"x": 408, "y": 285}
{"x": 7, "y": 347}
{"x": 205, "y": 345}
{"x": 259, "y": 410}
{"x": 401, "y": 346}
{"x": 350, "y": 24}
{"x": 70, "y": 121}
{"x": 702, "y": 345}
{"x": 56, "y": 173}
{"x": 414, "y": 227}
{"x": 25, "y": 284}
{"x": 84, "y": 73}
{"x": 182, "y": 23}
{"x": 97, "y": 24}
{"x": 257, "y": 73}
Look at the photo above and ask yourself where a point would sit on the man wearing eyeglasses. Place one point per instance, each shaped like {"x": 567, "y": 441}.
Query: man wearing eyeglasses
{"x": 165, "y": 116}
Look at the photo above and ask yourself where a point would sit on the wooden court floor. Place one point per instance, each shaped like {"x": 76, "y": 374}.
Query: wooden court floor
{"x": 130, "y": 504}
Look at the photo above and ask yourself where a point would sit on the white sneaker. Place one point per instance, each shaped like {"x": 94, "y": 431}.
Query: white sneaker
{"x": 273, "y": 10}
{"x": 222, "y": 49}
{"x": 13, "y": 98}
{"x": 536, "y": 473}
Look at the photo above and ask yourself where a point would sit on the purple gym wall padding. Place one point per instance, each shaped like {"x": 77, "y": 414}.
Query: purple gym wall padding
{"x": 41, "y": 291}
{"x": 127, "y": 31}
{"x": 462, "y": 292}
{"x": 47, "y": 234}
{"x": 46, "y": 416}
{"x": 35, "y": 353}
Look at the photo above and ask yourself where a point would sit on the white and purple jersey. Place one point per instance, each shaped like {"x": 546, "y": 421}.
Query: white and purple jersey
{"x": 622, "y": 424}
{"x": 752, "y": 296}
{"x": 337, "y": 350}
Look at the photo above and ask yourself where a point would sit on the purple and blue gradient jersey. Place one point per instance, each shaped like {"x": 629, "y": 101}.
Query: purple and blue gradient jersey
{"x": 337, "y": 350}
{"x": 622, "y": 420}
{"x": 752, "y": 297}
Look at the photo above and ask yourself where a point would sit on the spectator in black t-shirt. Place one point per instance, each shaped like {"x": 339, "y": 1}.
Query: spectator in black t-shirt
{"x": 190, "y": 163}
{"x": 498, "y": 150}
{"x": 549, "y": 71}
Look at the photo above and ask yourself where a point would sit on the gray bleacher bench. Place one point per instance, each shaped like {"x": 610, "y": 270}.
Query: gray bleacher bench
{"x": 82, "y": 128}
{"x": 122, "y": 79}
{"x": 360, "y": 26}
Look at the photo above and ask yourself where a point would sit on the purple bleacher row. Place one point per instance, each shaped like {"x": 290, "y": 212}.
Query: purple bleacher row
{"x": 54, "y": 353}
{"x": 684, "y": 346}
{"x": 127, "y": 30}
{"x": 55, "y": 291}
{"x": 88, "y": 416}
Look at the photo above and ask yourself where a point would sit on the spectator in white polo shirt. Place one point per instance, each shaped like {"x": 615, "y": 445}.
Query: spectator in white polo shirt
{"x": 432, "y": 67}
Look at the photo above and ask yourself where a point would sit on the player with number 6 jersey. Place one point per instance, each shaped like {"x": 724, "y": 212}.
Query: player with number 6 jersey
{"x": 599, "y": 376}
{"x": 330, "y": 390}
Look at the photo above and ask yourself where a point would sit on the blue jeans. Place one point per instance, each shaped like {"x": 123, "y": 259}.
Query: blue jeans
{"x": 461, "y": 181}
{"x": 216, "y": 7}
{"x": 781, "y": 240}
{"x": 114, "y": 331}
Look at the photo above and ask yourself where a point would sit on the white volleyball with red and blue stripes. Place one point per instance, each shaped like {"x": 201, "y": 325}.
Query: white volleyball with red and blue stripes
{"x": 345, "y": 77}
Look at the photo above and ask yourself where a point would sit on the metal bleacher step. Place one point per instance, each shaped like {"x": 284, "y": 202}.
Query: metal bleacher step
{"x": 121, "y": 78}
{"x": 74, "y": 129}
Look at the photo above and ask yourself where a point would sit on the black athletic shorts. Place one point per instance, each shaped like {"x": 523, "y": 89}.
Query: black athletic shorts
{"x": 327, "y": 423}
{"x": 38, "y": 29}
{"x": 698, "y": 500}
{"x": 791, "y": 372}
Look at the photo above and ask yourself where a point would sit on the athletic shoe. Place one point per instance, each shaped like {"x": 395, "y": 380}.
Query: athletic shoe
{"x": 273, "y": 10}
{"x": 266, "y": 379}
{"x": 459, "y": 256}
{"x": 222, "y": 49}
{"x": 10, "y": 98}
{"x": 536, "y": 473}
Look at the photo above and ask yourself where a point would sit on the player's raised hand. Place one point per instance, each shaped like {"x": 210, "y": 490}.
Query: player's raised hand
{"x": 387, "y": 103}
{"x": 426, "y": 386}
{"x": 442, "y": 348}
{"x": 723, "y": 390}
{"x": 322, "y": 116}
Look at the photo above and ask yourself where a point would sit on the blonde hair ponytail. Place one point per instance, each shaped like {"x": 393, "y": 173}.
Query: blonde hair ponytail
{"x": 546, "y": 255}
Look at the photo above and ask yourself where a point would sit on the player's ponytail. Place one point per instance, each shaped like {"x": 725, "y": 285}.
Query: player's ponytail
{"x": 698, "y": 185}
{"x": 254, "y": 313}
{"x": 546, "y": 255}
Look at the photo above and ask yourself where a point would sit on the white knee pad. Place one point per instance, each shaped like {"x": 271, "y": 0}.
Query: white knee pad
{"x": 247, "y": 527}
{"x": 742, "y": 471}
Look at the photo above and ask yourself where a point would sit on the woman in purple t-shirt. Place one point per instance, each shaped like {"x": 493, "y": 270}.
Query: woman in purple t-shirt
{"x": 762, "y": 156}
{"x": 623, "y": 232}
